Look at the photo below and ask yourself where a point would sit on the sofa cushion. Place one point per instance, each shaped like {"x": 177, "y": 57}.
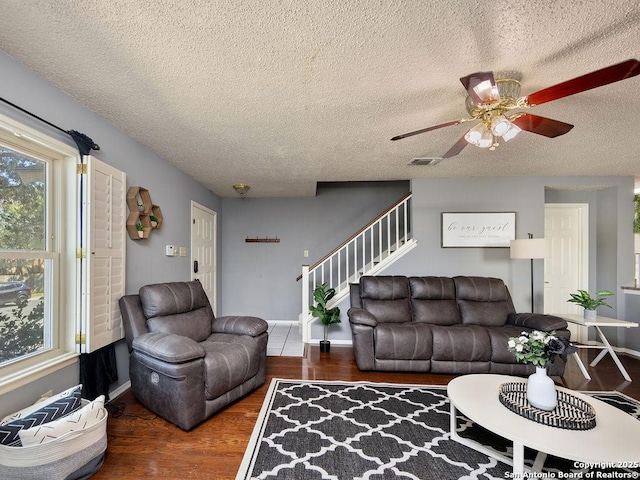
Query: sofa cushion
{"x": 387, "y": 298}
{"x": 499, "y": 337}
{"x": 162, "y": 299}
{"x": 196, "y": 324}
{"x": 483, "y": 300}
{"x": 460, "y": 343}
{"x": 181, "y": 308}
{"x": 433, "y": 300}
{"x": 406, "y": 341}
{"x": 230, "y": 360}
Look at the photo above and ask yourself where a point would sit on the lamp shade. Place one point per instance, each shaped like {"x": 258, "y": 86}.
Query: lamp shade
{"x": 529, "y": 248}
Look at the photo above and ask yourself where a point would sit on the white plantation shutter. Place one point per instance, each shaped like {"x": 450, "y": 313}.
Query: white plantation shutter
{"x": 103, "y": 268}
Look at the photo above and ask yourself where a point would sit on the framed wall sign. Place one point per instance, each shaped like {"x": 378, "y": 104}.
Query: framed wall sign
{"x": 484, "y": 229}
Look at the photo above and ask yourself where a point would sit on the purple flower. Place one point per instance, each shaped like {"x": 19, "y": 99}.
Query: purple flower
{"x": 559, "y": 345}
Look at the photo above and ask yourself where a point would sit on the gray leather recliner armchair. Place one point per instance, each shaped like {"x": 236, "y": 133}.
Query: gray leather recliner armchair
{"x": 185, "y": 364}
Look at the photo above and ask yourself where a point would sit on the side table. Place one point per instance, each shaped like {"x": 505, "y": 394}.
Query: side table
{"x": 606, "y": 346}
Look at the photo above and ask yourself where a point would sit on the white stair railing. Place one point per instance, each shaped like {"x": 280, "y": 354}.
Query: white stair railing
{"x": 367, "y": 252}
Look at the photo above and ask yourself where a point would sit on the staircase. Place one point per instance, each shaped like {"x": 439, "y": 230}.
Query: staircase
{"x": 368, "y": 252}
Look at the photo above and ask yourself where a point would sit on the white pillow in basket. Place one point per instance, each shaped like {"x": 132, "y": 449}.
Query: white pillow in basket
{"x": 88, "y": 415}
{"x": 41, "y": 403}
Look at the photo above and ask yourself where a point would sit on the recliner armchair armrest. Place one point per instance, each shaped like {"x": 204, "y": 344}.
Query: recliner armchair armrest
{"x": 168, "y": 347}
{"x": 362, "y": 317}
{"x": 537, "y": 321}
{"x": 240, "y": 325}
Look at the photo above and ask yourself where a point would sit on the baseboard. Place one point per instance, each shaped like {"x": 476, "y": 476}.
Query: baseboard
{"x": 628, "y": 351}
{"x": 119, "y": 390}
{"x": 334, "y": 342}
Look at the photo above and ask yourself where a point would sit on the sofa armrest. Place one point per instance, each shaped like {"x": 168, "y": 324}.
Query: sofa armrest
{"x": 168, "y": 347}
{"x": 240, "y": 325}
{"x": 537, "y": 321}
{"x": 361, "y": 316}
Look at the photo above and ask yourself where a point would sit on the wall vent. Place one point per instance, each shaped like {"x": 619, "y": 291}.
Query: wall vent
{"x": 425, "y": 161}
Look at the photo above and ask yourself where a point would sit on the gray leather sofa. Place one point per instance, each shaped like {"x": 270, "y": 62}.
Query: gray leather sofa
{"x": 442, "y": 325}
{"x": 184, "y": 363}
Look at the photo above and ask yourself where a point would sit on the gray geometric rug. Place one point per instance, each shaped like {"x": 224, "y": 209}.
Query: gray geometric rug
{"x": 340, "y": 430}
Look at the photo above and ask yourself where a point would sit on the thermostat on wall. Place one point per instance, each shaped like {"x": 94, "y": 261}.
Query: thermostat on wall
{"x": 170, "y": 250}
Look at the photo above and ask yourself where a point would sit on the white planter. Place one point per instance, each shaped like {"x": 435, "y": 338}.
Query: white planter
{"x": 589, "y": 314}
{"x": 140, "y": 234}
{"x": 541, "y": 391}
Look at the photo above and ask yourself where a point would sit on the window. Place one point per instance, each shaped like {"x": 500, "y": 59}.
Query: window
{"x": 37, "y": 264}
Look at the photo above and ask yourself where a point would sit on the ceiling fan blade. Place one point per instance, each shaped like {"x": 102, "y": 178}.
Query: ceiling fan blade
{"x": 599, "y": 78}
{"x": 457, "y": 148}
{"x": 428, "y": 129}
{"x": 541, "y": 125}
{"x": 481, "y": 87}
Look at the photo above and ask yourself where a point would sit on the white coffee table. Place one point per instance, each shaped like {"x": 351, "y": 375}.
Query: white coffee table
{"x": 606, "y": 346}
{"x": 613, "y": 439}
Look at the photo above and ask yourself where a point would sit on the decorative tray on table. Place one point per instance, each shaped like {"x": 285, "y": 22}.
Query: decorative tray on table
{"x": 571, "y": 413}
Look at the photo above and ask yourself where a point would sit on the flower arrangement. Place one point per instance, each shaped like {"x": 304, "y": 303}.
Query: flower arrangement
{"x": 539, "y": 348}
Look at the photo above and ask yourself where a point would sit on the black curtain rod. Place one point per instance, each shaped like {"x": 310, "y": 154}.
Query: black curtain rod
{"x": 84, "y": 143}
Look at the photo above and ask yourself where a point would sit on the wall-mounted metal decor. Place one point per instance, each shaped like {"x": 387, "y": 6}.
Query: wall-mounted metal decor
{"x": 262, "y": 240}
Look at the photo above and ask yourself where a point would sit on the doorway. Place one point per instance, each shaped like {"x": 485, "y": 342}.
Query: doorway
{"x": 203, "y": 250}
{"x": 566, "y": 269}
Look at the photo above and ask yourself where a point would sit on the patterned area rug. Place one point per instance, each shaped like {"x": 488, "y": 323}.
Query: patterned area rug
{"x": 339, "y": 430}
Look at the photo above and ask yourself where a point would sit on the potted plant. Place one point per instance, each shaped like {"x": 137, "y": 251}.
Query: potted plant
{"x": 140, "y": 230}
{"x": 589, "y": 303}
{"x": 154, "y": 220}
{"x": 328, "y": 316}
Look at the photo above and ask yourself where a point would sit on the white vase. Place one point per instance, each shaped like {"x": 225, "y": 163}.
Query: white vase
{"x": 541, "y": 391}
{"x": 589, "y": 314}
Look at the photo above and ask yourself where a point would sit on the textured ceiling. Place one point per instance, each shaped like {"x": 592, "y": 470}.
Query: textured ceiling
{"x": 281, "y": 94}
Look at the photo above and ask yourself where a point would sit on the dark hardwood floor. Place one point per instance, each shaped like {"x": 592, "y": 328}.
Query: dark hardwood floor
{"x": 143, "y": 446}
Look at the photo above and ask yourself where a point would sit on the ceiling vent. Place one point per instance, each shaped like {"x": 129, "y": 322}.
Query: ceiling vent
{"x": 425, "y": 161}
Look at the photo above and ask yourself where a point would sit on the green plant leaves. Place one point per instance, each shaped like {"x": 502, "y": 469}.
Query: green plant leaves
{"x": 321, "y": 295}
{"x": 586, "y": 301}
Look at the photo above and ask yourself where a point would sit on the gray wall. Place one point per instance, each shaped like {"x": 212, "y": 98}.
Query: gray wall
{"x": 171, "y": 189}
{"x": 260, "y": 278}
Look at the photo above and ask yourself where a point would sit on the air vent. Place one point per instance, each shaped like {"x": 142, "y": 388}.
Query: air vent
{"x": 425, "y": 161}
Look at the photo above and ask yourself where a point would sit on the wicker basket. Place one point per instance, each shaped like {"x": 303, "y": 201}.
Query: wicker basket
{"x": 73, "y": 456}
{"x": 571, "y": 413}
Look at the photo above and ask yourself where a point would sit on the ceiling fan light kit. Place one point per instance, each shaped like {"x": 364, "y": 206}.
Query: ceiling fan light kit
{"x": 489, "y": 100}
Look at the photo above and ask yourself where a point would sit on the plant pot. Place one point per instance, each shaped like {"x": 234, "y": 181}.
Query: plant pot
{"x": 140, "y": 234}
{"x": 589, "y": 314}
{"x": 541, "y": 391}
{"x": 325, "y": 346}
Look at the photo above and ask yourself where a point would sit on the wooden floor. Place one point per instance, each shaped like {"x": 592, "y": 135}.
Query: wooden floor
{"x": 143, "y": 446}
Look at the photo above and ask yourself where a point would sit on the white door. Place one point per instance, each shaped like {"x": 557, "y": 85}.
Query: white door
{"x": 203, "y": 249}
{"x": 566, "y": 268}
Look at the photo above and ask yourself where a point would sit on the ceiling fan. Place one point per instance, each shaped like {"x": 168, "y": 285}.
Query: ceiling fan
{"x": 491, "y": 101}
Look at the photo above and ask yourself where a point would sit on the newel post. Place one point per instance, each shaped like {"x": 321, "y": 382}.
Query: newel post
{"x": 305, "y": 315}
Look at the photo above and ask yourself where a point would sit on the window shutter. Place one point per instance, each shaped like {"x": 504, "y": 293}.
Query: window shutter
{"x": 103, "y": 270}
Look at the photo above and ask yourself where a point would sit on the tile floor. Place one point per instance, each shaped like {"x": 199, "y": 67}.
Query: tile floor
{"x": 285, "y": 340}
